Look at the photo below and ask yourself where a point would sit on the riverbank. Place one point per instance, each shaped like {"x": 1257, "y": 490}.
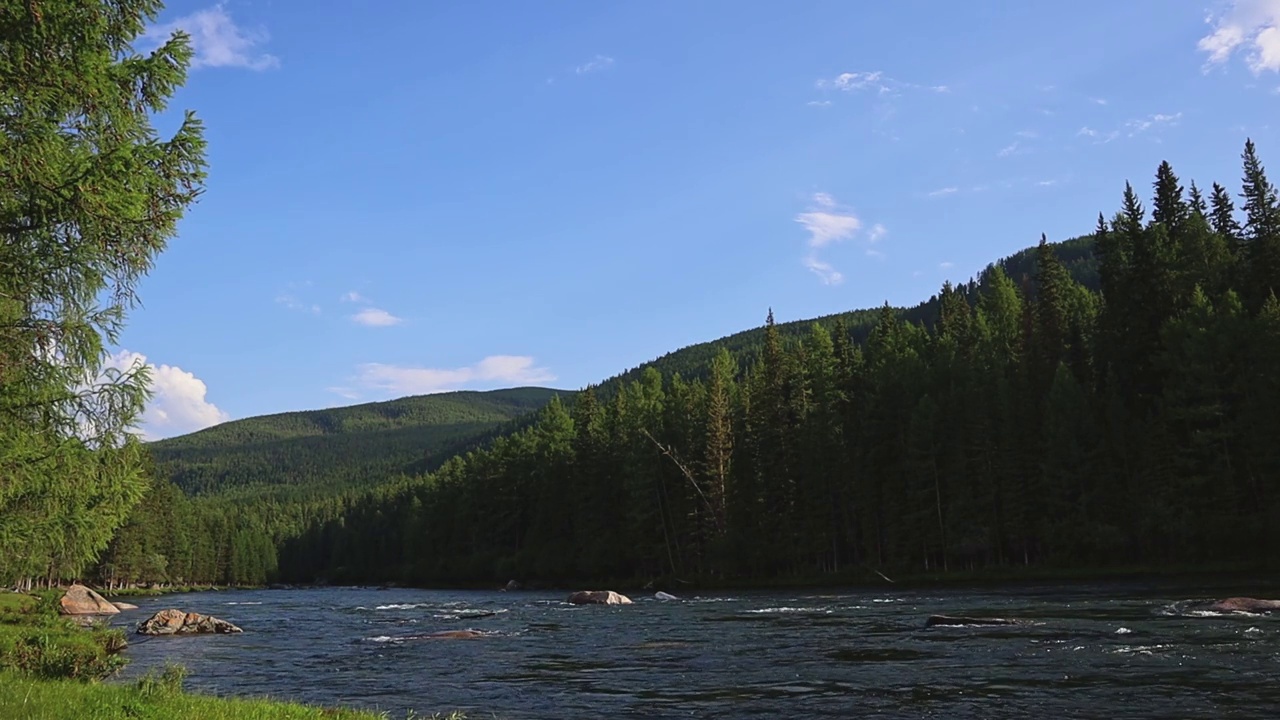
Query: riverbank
{"x": 52, "y": 669}
{"x": 1244, "y": 574}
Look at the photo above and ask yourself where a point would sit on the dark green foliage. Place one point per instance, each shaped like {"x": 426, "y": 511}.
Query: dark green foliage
{"x": 1066, "y": 409}
{"x": 89, "y": 196}
{"x": 305, "y": 454}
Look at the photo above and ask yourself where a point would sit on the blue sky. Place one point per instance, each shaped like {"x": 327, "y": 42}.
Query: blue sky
{"x": 414, "y": 197}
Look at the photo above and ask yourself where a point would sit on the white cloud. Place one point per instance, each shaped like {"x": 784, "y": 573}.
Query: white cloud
{"x": 826, "y": 227}
{"x": 873, "y": 80}
{"x": 819, "y": 103}
{"x": 1098, "y": 101}
{"x": 345, "y": 392}
{"x": 1142, "y": 125}
{"x": 1008, "y": 150}
{"x": 1250, "y": 25}
{"x": 943, "y": 192}
{"x": 824, "y": 199}
{"x": 851, "y": 81}
{"x": 1046, "y": 183}
{"x": 1087, "y": 131}
{"x": 216, "y": 40}
{"x": 401, "y": 380}
{"x": 1029, "y": 134}
{"x": 946, "y": 265}
{"x": 872, "y": 252}
{"x": 829, "y": 223}
{"x": 177, "y": 405}
{"x": 354, "y": 297}
{"x": 292, "y": 302}
{"x": 824, "y": 271}
{"x": 595, "y": 64}
{"x": 376, "y": 317}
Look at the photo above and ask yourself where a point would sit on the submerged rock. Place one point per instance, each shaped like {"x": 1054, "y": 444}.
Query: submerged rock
{"x": 125, "y": 606}
{"x": 513, "y": 585}
{"x": 80, "y": 600}
{"x": 1244, "y": 604}
{"x": 664, "y": 596}
{"x": 177, "y": 622}
{"x": 960, "y": 620}
{"x": 598, "y": 597}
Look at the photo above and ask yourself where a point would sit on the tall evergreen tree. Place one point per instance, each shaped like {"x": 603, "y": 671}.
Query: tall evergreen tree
{"x": 89, "y": 195}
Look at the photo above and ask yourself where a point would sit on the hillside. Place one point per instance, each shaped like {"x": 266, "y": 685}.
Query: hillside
{"x": 1076, "y": 255}
{"x": 341, "y": 447}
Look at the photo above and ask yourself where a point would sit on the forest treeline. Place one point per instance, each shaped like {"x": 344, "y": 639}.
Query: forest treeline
{"x": 1040, "y": 422}
{"x": 1120, "y": 412}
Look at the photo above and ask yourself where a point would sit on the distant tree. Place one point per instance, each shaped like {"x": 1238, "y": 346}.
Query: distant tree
{"x": 89, "y": 195}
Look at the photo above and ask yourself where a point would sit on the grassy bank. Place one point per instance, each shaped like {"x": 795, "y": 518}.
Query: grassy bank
{"x": 51, "y": 668}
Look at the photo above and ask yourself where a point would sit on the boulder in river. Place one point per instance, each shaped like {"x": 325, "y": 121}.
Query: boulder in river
{"x": 513, "y": 585}
{"x": 1244, "y": 604}
{"x": 598, "y": 597}
{"x": 664, "y": 596}
{"x": 961, "y": 620}
{"x": 177, "y": 622}
{"x": 125, "y": 606}
{"x": 80, "y": 600}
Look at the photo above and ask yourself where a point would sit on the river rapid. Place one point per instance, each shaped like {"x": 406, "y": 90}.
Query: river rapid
{"x": 1102, "y": 651}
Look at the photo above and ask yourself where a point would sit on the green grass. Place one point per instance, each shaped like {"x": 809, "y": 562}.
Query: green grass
{"x": 51, "y": 668}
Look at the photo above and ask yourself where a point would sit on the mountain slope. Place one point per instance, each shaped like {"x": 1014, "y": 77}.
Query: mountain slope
{"x": 339, "y": 448}
{"x": 1076, "y": 254}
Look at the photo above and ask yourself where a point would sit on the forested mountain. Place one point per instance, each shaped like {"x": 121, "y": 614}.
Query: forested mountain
{"x": 1076, "y": 255}
{"x": 309, "y": 453}
{"x": 1106, "y": 400}
{"x": 1026, "y": 420}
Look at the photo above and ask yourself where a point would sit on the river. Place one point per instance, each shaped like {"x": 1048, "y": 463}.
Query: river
{"x": 1108, "y": 650}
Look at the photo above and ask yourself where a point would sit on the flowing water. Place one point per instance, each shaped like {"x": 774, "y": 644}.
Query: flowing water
{"x": 1114, "y": 651}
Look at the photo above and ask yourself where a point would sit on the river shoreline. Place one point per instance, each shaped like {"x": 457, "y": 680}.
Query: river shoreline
{"x": 1234, "y": 574}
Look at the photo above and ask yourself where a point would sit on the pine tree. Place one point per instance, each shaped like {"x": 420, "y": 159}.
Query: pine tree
{"x": 1262, "y": 227}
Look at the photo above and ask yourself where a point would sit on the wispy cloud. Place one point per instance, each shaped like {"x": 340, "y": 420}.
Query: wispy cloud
{"x": 947, "y": 265}
{"x": 369, "y": 316}
{"x": 375, "y": 317}
{"x": 178, "y": 402}
{"x": 1249, "y": 25}
{"x": 1141, "y": 125}
{"x": 1009, "y": 149}
{"x": 1046, "y": 183}
{"x": 291, "y": 301}
{"x": 819, "y": 103}
{"x": 828, "y": 223}
{"x": 217, "y": 41}
{"x": 943, "y": 192}
{"x": 595, "y": 64}
{"x": 1098, "y": 101}
{"x": 873, "y": 81}
{"x": 827, "y": 274}
{"x": 398, "y": 380}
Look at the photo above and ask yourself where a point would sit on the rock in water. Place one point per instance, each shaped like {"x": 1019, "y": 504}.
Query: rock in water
{"x": 954, "y": 620}
{"x": 665, "y": 596}
{"x": 1244, "y": 604}
{"x": 598, "y": 597}
{"x": 513, "y": 585}
{"x": 125, "y": 606}
{"x": 177, "y": 622}
{"x": 80, "y": 600}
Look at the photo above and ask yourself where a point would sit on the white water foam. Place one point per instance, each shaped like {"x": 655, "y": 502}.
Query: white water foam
{"x": 1123, "y": 631}
{"x": 774, "y": 610}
